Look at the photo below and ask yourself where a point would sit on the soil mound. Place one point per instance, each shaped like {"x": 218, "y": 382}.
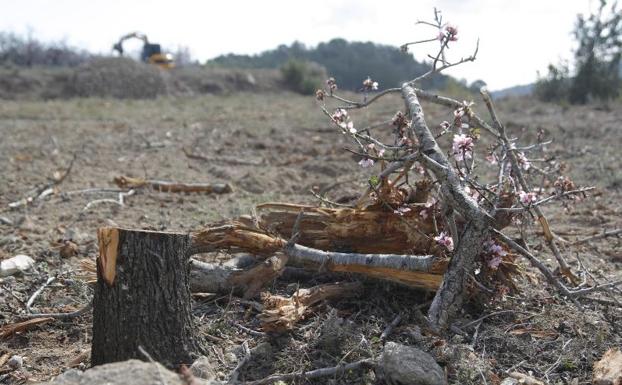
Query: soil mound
{"x": 121, "y": 78}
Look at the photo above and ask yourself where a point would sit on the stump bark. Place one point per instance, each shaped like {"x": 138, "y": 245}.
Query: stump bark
{"x": 142, "y": 298}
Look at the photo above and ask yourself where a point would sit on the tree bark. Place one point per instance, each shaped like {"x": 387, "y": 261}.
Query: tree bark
{"x": 450, "y": 296}
{"x": 142, "y": 298}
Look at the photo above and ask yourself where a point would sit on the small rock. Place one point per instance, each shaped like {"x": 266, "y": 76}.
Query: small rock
{"x": 406, "y": 365}
{"x": 9, "y": 281}
{"x": 509, "y": 381}
{"x": 120, "y": 373}
{"x": 230, "y": 357}
{"x": 415, "y": 334}
{"x": 263, "y": 349}
{"x": 15, "y": 362}
{"x": 202, "y": 368}
{"x": 608, "y": 371}
{"x": 18, "y": 263}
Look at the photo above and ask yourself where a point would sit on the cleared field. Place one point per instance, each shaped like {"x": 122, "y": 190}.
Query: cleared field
{"x": 278, "y": 147}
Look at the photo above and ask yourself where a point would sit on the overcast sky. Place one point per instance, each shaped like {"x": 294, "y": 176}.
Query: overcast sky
{"x": 517, "y": 38}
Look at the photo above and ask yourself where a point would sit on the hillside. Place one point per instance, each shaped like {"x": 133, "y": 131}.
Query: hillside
{"x": 348, "y": 62}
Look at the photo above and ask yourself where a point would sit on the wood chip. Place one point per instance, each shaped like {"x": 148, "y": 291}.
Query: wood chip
{"x": 9, "y": 330}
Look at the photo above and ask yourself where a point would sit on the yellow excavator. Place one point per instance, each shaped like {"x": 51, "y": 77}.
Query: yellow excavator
{"x": 151, "y": 52}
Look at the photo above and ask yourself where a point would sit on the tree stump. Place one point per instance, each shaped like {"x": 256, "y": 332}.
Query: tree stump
{"x": 142, "y": 298}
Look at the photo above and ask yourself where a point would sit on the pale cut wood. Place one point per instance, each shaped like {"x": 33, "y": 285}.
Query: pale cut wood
{"x": 108, "y": 239}
{"x": 174, "y": 187}
{"x": 282, "y": 313}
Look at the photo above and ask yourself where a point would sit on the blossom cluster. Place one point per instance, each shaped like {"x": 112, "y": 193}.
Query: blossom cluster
{"x": 527, "y": 198}
{"x": 369, "y": 85}
{"x": 341, "y": 118}
{"x": 445, "y": 240}
{"x": 448, "y": 32}
{"x": 331, "y": 84}
{"x": 496, "y": 253}
{"x": 462, "y": 147}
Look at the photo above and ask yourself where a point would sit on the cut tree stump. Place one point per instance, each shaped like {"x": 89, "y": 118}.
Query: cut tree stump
{"x": 142, "y": 298}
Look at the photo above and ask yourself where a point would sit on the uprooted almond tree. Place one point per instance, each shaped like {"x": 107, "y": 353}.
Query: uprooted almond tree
{"x": 436, "y": 214}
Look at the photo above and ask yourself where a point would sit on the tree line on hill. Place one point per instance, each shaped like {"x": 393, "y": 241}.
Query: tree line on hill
{"x": 348, "y": 62}
{"x": 597, "y": 61}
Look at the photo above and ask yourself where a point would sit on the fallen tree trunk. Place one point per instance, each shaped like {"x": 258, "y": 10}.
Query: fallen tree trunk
{"x": 213, "y": 278}
{"x": 412, "y": 270}
{"x": 142, "y": 298}
{"x": 350, "y": 230}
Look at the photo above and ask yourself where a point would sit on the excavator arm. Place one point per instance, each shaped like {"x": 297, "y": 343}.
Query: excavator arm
{"x": 118, "y": 46}
{"x": 151, "y": 52}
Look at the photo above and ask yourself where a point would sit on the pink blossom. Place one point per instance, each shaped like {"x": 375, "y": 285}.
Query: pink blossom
{"x": 348, "y": 126}
{"x": 495, "y": 262}
{"x": 369, "y": 84}
{"x": 332, "y": 84}
{"x": 427, "y": 211}
{"x": 402, "y": 210}
{"x": 366, "y": 162}
{"x": 444, "y": 125}
{"x": 497, "y": 253}
{"x": 527, "y": 198}
{"x": 381, "y": 152}
{"x": 497, "y": 250}
{"x": 450, "y": 32}
{"x": 462, "y": 147}
{"x": 445, "y": 240}
{"x": 523, "y": 161}
{"x": 340, "y": 115}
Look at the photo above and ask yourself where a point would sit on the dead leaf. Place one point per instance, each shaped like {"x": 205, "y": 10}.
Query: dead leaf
{"x": 68, "y": 249}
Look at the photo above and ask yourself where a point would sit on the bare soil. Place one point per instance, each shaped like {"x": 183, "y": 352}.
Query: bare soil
{"x": 278, "y": 147}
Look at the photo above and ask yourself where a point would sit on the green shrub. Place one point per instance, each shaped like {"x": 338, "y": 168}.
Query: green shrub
{"x": 303, "y": 76}
{"x": 555, "y": 86}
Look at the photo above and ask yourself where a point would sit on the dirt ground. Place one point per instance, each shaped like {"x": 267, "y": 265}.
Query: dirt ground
{"x": 277, "y": 147}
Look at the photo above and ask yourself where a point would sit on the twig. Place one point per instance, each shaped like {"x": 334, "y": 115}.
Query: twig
{"x": 62, "y": 316}
{"x": 34, "y": 296}
{"x": 491, "y": 315}
{"x": 389, "y": 329}
{"x": 327, "y": 201}
{"x": 173, "y": 187}
{"x": 6, "y": 221}
{"x": 572, "y": 294}
{"x": 317, "y": 373}
{"x": 604, "y": 234}
{"x": 356, "y": 105}
{"x": 120, "y": 201}
{"x": 548, "y": 236}
{"x": 547, "y": 200}
{"x": 233, "y": 378}
{"x": 250, "y": 331}
{"x": 44, "y": 190}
